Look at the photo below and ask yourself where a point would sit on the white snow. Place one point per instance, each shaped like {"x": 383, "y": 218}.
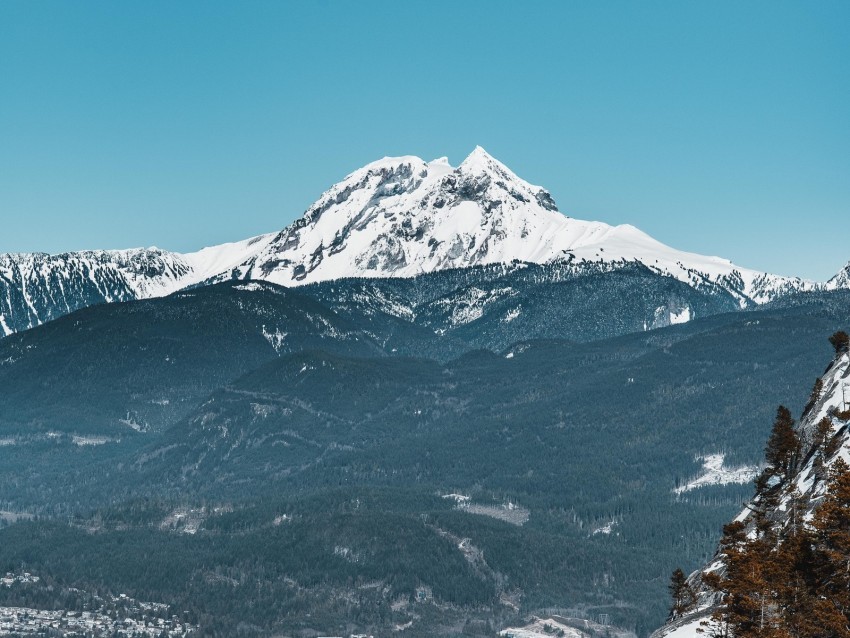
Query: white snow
{"x": 507, "y": 512}
{"x": 276, "y": 338}
{"x": 840, "y": 280}
{"x": 377, "y": 207}
{"x": 512, "y": 314}
{"x": 280, "y": 519}
{"x": 458, "y": 498}
{"x": 185, "y": 520}
{"x": 547, "y": 627}
{"x": 398, "y": 216}
{"x": 470, "y": 306}
{"x": 90, "y": 440}
{"x": 605, "y": 529}
{"x": 683, "y": 316}
{"x": 539, "y": 631}
{"x": 688, "y": 630}
{"x": 251, "y": 286}
{"x": 715, "y": 473}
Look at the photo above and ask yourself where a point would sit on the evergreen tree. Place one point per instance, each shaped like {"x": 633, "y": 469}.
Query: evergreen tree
{"x": 783, "y": 446}
{"x": 683, "y": 595}
{"x": 831, "y": 562}
{"x": 817, "y": 390}
{"x": 840, "y": 341}
{"x": 823, "y": 451}
{"x": 791, "y": 581}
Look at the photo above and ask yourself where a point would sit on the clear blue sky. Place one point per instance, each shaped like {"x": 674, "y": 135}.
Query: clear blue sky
{"x": 720, "y": 128}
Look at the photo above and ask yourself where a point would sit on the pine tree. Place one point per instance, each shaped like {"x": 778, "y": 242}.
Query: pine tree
{"x": 822, "y": 449}
{"x": 683, "y": 595}
{"x": 817, "y": 390}
{"x": 783, "y": 446}
{"x": 840, "y": 341}
{"x": 822, "y": 430}
{"x": 831, "y": 562}
{"x": 788, "y": 580}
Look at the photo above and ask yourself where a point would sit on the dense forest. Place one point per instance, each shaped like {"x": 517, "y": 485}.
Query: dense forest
{"x": 306, "y": 490}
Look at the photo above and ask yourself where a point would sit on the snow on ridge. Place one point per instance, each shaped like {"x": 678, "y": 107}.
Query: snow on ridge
{"x": 82, "y": 441}
{"x": 403, "y": 217}
{"x": 716, "y": 473}
{"x": 395, "y": 217}
{"x": 840, "y": 280}
{"x": 554, "y": 625}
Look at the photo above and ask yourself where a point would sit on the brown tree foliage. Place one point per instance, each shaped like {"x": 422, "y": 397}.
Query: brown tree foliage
{"x": 783, "y": 446}
{"x": 788, "y": 580}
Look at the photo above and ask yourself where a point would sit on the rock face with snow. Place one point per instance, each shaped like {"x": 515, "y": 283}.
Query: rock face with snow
{"x": 403, "y": 217}
{"x": 37, "y": 287}
{"x": 807, "y": 485}
{"x": 397, "y": 217}
{"x": 840, "y": 280}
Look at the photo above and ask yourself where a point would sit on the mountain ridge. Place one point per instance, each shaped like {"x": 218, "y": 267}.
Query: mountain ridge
{"x": 395, "y": 217}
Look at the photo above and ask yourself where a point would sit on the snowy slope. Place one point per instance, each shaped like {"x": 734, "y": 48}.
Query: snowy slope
{"x": 403, "y": 216}
{"x": 400, "y": 217}
{"x": 840, "y": 280}
{"x": 37, "y": 287}
{"x": 836, "y": 389}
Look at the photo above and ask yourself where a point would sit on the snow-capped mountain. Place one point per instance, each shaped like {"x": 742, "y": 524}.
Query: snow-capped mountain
{"x": 37, "y": 287}
{"x": 397, "y": 217}
{"x": 807, "y": 487}
{"x": 840, "y": 280}
{"x": 403, "y": 216}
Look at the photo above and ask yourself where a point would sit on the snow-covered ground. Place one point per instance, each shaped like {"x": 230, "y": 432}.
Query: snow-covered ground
{"x": 607, "y": 528}
{"x": 549, "y": 626}
{"x": 509, "y": 512}
{"x": 687, "y": 630}
{"x": 715, "y": 473}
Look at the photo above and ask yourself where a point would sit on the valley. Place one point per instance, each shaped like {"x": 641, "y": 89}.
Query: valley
{"x": 554, "y": 452}
{"x": 476, "y": 432}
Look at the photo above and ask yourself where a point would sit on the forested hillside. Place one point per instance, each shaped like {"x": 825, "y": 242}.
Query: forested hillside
{"x": 297, "y": 461}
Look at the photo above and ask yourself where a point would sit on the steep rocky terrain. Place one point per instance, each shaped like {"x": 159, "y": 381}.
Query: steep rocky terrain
{"x": 785, "y": 501}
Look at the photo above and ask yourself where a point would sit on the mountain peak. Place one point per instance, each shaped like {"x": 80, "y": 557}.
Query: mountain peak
{"x": 479, "y": 152}
{"x": 394, "y": 217}
{"x": 480, "y": 160}
{"x": 840, "y": 280}
{"x": 403, "y": 216}
{"x": 479, "y": 163}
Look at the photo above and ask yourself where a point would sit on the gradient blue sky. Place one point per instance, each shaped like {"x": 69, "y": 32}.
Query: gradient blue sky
{"x": 720, "y": 128}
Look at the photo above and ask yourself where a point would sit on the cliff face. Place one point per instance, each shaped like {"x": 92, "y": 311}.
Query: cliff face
{"x": 782, "y": 503}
